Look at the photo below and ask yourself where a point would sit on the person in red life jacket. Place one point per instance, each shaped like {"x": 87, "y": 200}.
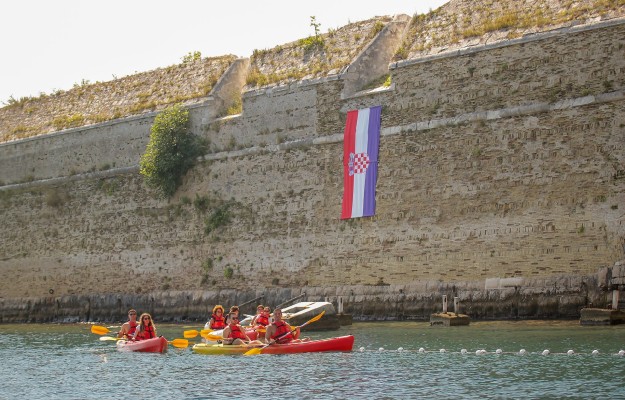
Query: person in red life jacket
{"x": 146, "y": 328}
{"x": 128, "y": 328}
{"x": 279, "y": 331}
{"x": 261, "y": 321}
{"x": 217, "y": 320}
{"x": 259, "y": 310}
{"x": 235, "y": 334}
{"x": 269, "y": 317}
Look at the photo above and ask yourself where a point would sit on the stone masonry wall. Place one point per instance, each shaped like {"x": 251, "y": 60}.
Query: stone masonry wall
{"x": 486, "y": 173}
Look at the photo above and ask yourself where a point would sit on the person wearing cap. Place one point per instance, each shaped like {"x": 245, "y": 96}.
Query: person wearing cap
{"x": 128, "y": 328}
{"x": 217, "y": 320}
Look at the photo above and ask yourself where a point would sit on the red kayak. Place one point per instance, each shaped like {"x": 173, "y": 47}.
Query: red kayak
{"x": 156, "y": 345}
{"x": 341, "y": 343}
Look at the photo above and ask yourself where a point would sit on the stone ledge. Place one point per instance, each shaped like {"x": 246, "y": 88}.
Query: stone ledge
{"x": 601, "y": 316}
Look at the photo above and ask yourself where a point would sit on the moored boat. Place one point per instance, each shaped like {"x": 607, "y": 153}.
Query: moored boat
{"x": 340, "y": 343}
{"x": 300, "y": 312}
{"x": 155, "y": 345}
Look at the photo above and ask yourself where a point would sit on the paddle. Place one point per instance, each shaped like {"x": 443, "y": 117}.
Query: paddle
{"x": 212, "y": 337}
{"x": 179, "y": 343}
{"x": 99, "y": 330}
{"x": 109, "y": 338}
{"x": 258, "y": 350}
{"x": 193, "y": 333}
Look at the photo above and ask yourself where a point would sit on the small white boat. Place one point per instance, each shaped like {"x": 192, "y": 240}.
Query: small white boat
{"x": 301, "y": 312}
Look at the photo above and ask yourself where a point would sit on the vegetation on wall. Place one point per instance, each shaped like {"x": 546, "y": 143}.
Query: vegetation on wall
{"x": 458, "y": 21}
{"x": 90, "y": 103}
{"x": 171, "y": 151}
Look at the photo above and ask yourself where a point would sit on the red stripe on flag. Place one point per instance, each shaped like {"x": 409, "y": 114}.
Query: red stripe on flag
{"x": 349, "y": 146}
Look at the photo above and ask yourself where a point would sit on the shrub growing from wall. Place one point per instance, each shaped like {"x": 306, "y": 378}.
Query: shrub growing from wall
{"x": 171, "y": 151}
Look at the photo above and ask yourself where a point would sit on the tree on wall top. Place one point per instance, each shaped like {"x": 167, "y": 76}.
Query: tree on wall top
{"x": 171, "y": 151}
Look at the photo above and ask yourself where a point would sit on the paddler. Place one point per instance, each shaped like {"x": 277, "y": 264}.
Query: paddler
{"x": 128, "y": 328}
{"x": 217, "y": 320}
{"x": 261, "y": 320}
{"x": 146, "y": 328}
{"x": 235, "y": 334}
{"x": 259, "y": 310}
{"x": 279, "y": 331}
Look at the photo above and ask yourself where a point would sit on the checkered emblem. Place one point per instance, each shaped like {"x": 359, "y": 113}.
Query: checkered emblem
{"x": 358, "y": 163}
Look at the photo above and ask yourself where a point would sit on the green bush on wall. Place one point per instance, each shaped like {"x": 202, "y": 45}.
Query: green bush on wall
{"x": 171, "y": 151}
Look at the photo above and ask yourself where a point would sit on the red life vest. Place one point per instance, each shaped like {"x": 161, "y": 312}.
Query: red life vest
{"x": 218, "y": 322}
{"x": 148, "y": 333}
{"x": 236, "y": 333}
{"x": 132, "y": 329}
{"x": 262, "y": 319}
{"x": 282, "y": 328}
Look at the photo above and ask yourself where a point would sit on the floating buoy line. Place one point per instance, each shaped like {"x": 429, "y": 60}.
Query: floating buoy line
{"x": 480, "y": 352}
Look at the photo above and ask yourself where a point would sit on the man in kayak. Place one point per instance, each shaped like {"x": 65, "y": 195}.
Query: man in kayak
{"x": 235, "y": 334}
{"x": 128, "y": 328}
{"x": 279, "y": 331}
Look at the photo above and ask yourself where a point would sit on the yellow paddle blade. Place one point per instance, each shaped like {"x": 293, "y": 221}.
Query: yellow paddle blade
{"x": 208, "y": 336}
{"x": 109, "y": 338}
{"x": 190, "y": 334}
{"x": 317, "y": 318}
{"x": 180, "y": 343}
{"x": 255, "y": 351}
{"x": 99, "y": 330}
{"x": 193, "y": 333}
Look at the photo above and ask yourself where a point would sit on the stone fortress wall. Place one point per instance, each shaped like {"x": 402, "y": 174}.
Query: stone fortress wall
{"x": 501, "y": 181}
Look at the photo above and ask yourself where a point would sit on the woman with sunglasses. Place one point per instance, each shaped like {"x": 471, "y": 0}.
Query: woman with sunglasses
{"x": 146, "y": 328}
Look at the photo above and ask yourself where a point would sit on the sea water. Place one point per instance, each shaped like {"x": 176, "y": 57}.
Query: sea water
{"x": 407, "y": 360}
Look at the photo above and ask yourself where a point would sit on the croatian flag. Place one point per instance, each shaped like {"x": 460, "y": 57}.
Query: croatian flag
{"x": 360, "y": 162}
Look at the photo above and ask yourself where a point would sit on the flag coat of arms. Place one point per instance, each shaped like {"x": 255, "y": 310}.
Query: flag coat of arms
{"x": 360, "y": 162}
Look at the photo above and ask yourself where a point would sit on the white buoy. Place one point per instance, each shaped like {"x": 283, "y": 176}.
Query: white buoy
{"x": 570, "y": 352}
{"x": 545, "y": 352}
{"x": 361, "y": 349}
{"x": 463, "y": 351}
{"x": 498, "y": 351}
{"x": 400, "y": 349}
{"x": 421, "y": 350}
{"x": 442, "y": 351}
{"x": 621, "y": 353}
{"x": 522, "y": 352}
{"x": 381, "y": 349}
{"x": 595, "y": 352}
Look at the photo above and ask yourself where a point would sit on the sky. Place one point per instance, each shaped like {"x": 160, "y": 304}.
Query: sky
{"x": 49, "y": 45}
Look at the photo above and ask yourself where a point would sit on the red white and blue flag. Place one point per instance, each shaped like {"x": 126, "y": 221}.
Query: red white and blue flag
{"x": 360, "y": 162}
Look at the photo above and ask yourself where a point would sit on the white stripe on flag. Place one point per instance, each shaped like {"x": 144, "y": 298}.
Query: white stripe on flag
{"x": 361, "y": 143}
{"x": 358, "y": 199}
{"x": 362, "y": 131}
